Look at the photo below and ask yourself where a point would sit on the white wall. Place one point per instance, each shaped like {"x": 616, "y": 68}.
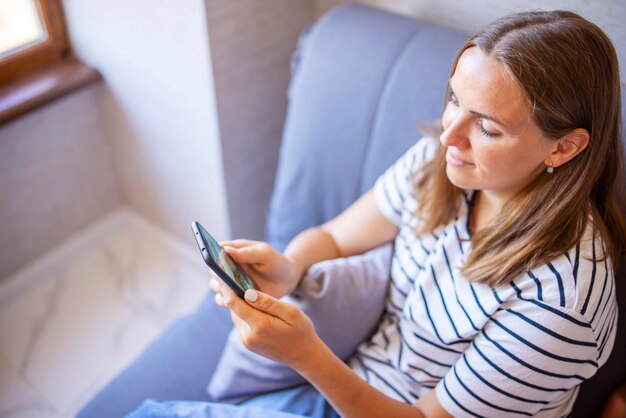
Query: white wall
{"x": 251, "y": 46}
{"x": 159, "y": 106}
{"x": 56, "y": 176}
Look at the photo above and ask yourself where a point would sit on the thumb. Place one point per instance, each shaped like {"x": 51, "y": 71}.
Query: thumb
{"x": 270, "y": 305}
{"x": 247, "y": 255}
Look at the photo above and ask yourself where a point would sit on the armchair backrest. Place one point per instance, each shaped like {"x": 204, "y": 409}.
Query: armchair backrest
{"x": 362, "y": 80}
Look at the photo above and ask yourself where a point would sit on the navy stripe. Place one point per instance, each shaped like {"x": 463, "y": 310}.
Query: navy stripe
{"x": 593, "y": 278}
{"x": 432, "y": 323}
{"x": 560, "y": 283}
{"x": 456, "y": 295}
{"x": 411, "y": 316}
{"x": 385, "y": 337}
{"x": 494, "y": 292}
{"x": 469, "y": 200}
{"x": 539, "y": 349}
{"x": 390, "y": 386}
{"x": 358, "y": 359}
{"x": 395, "y": 285}
{"x": 401, "y": 348}
{"x": 550, "y": 332}
{"x": 550, "y": 308}
{"x": 451, "y": 350}
{"x": 375, "y": 359}
{"x": 369, "y": 371}
{"x": 608, "y": 323}
{"x": 538, "y": 283}
{"x": 458, "y": 237}
{"x": 497, "y": 389}
{"x": 609, "y": 333}
{"x": 530, "y": 385}
{"x": 601, "y": 299}
{"x": 407, "y": 247}
{"x": 418, "y": 266}
{"x": 481, "y": 400}
{"x": 477, "y": 301}
{"x": 576, "y": 262}
{"x": 610, "y": 301}
{"x": 393, "y": 305}
{"x": 607, "y": 336}
{"x": 530, "y": 366}
{"x": 438, "y": 378}
{"x": 417, "y": 353}
{"x": 445, "y": 386}
{"x": 430, "y": 318}
{"x": 414, "y": 395}
{"x": 443, "y": 302}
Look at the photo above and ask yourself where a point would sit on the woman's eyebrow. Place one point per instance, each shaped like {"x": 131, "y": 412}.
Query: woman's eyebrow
{"x": 483, "y": 116}
{"x": 475, "y": 113}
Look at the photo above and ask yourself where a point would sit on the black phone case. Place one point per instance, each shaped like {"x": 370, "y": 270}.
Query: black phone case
{"x": 203, "y": 247}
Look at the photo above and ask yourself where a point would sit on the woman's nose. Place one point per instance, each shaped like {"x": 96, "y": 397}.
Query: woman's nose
{"x": 456, "y": 134}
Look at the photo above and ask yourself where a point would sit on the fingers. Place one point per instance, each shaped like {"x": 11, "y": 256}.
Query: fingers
{"x": 238, "y": 243}
{"x": 223, "y": 293}
{"x": 257, "y": 253}
{"x": 219, "y": 300}
{"x": 214, "y": 285}
{"x": 270, "y": 305}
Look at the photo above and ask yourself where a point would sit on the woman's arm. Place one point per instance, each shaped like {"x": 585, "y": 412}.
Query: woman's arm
{"x": 352, "y": 396}
{"x": 281, "y": 331}
{"x": 359, "y": 228}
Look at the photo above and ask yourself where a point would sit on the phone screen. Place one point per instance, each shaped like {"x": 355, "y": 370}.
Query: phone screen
{"x": 225, "y": 262}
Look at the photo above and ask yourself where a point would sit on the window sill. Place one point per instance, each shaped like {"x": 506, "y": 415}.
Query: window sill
{"x": 33, "y": 91}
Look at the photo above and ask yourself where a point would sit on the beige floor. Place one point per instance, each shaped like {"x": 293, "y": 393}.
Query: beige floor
{"x": 73, "y": 327}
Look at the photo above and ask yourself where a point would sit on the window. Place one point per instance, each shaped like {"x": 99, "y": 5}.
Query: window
{"x": 36, "y": 63}
{"x": 32, "y": 36}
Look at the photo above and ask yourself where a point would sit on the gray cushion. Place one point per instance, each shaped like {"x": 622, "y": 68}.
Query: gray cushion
{"x": 333, "y": 294}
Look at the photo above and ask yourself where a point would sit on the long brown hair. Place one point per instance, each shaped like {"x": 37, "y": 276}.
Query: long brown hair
{"x": 568, "y": 70}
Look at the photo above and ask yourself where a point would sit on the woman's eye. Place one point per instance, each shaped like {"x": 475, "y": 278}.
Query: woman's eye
{"x": 486, "y": 132}
{"x": 453, "y": 99}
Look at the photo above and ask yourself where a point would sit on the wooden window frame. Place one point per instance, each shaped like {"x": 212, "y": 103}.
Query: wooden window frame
{"x": 41, "y": 54}
{"x": 44, "y": 71}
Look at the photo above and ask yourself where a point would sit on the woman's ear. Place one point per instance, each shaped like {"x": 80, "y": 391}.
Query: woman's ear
{"x": 568, "y": 147}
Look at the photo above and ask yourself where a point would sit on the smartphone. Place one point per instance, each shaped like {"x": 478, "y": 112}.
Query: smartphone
{"x": 221, "y": 263}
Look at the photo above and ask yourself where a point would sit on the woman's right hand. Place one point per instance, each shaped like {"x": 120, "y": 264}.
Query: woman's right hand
{"x": 273, "y": 273}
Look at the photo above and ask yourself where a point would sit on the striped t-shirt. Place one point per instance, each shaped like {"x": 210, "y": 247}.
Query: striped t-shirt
{"x": 516, "y": 350}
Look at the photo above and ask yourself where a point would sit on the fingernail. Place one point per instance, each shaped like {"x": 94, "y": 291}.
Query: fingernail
{"x": 226, "y": 295}
{"x": 251, "y": 295}
{"x": 230, "y": 249}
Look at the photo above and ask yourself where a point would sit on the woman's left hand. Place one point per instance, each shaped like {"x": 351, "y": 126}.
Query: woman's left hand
{"x": 273, "y": 328}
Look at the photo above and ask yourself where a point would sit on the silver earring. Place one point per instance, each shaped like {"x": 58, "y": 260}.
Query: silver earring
{"x": 550, "y": 169}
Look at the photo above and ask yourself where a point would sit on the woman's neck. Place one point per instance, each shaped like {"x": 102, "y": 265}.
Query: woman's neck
{"x": 485, "y": 209}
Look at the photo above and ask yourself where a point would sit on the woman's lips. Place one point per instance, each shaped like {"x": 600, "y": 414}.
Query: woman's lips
{"x": 455, "y": 160}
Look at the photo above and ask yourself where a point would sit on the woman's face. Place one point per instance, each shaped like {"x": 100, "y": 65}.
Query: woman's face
{"x": 492, "y": 143}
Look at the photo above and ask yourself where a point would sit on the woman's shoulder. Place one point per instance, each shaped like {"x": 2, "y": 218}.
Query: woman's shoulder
{"x": 569, "y": 300}
{"x": 580, "y": 281}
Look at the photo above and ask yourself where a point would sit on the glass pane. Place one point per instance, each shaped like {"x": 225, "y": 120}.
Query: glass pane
{"x": 20, "y": 25}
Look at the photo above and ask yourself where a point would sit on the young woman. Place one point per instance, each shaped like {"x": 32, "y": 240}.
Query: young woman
{"x": 506, "y": 231}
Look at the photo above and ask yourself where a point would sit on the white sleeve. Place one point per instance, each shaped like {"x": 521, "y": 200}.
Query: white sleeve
{"x": 529, "y": 355}
{"x": 395, "y": 186}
